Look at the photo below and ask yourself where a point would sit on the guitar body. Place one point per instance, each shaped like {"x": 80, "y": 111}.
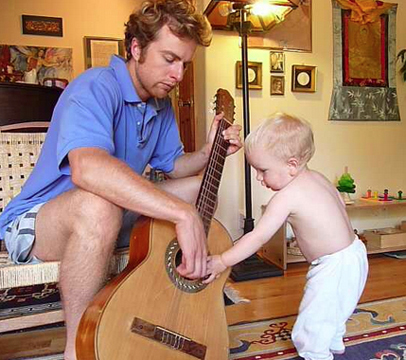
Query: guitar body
{"x": 146, "y": 291}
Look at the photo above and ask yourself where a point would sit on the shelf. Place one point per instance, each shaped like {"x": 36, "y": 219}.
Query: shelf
{"x": 295, "y": 258}
{"x": 375, "y": 250}
{"x": 370, "y": 204}
{"x": 291, "y": 259}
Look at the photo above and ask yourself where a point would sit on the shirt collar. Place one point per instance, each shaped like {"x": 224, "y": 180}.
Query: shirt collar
{"x": 118, "y": 64}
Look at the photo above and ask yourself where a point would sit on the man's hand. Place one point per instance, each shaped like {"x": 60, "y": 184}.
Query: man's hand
{"x": 231, "y": 134}
{"x": 215, "y": 267}
{"x": 192, "y": 241}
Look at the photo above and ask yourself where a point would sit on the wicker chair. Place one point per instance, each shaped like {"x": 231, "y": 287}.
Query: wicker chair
{"x": 29, "y": 295}
{"x": 30, "y": 308}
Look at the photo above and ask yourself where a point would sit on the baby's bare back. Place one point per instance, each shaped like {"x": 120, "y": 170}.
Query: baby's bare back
{"x": 318, "y": 217}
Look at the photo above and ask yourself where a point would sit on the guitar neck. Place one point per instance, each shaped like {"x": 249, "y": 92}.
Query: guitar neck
{"x": 207, "y": 199}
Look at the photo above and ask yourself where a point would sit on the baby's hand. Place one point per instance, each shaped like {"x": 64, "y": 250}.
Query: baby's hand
{"x": 215, "y": 267}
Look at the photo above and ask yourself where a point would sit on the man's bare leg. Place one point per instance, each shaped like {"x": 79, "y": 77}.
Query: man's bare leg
{"x": 80, "y": 229}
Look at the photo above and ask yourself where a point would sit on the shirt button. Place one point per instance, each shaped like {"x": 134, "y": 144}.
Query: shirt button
{"x": 138, "y": 123}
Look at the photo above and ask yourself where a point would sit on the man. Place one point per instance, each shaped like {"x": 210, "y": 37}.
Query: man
{"x": 107, "y": 126}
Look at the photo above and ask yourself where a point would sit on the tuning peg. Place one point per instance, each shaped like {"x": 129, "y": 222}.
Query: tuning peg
{"x": 212, "y": 106}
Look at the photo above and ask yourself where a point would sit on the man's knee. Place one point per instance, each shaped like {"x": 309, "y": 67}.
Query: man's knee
{"x": 94, "y": 214}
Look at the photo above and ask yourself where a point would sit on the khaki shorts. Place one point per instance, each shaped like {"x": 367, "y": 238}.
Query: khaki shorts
{"x": 20, "y": 235}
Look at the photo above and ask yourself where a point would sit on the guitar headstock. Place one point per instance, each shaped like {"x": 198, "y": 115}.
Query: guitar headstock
{"x": 225, "y": 104}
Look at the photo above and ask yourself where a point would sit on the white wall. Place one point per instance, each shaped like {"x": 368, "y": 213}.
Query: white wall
{"x": 373, "y": 151}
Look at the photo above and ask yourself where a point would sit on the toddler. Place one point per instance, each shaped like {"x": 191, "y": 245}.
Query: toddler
{"x": 279, "y": 150}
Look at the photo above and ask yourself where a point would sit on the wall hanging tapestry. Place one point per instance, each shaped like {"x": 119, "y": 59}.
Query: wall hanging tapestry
{"x": 45, "y": 62}
{"x": 364, "y": 42}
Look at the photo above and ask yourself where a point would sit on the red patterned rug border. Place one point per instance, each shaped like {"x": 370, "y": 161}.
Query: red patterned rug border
{"x": 349, "y": 341}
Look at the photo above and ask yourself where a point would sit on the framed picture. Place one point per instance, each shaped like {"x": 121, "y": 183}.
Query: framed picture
{"x": 42, "y": 25}
{"x": 254, "y": 75}
{"x": 303, "y": 78}
{"x": 277, "y": 85}
{"x": 98, "y": 50}
{"x": 277, "y": 61}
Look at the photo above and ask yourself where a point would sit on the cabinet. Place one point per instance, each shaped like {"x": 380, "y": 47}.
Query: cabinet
{"x": 29, "y": 104}
{"x": 276, "y": 251}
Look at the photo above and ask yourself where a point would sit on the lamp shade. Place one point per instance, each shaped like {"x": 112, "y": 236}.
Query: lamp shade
{"x": 223, "y": 14}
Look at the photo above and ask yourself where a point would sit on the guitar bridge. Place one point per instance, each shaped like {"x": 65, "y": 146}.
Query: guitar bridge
{"x": 169, "y": 338}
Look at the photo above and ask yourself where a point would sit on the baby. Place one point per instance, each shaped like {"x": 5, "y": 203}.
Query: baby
{"x": 279, "y": 150}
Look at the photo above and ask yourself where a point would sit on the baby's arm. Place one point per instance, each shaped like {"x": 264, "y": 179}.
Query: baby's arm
{"x": 277, "y": 211}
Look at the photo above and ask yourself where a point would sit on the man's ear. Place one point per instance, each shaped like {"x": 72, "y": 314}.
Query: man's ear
{"x": 293, "y": 165}
{"x": 135, "y": 49}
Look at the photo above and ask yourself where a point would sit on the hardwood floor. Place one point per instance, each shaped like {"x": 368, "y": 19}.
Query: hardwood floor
{"x": 280, "y": 296}
{"x": 270, "y": 298}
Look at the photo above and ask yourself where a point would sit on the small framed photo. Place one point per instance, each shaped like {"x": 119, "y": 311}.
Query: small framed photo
{"x": 42, "y": 25}
{"x": 277, "y": 61}
{"x": 98, "y": 50}
{"x": 303, "y": 78}
{"x": 277, "y": 85}
{"x": 254, "y": 75}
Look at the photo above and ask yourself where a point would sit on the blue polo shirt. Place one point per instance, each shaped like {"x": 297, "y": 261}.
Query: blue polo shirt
{"x": 100, "y": 108}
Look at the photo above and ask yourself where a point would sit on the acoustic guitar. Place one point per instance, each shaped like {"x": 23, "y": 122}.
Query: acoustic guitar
{"x": 151, "y": 312}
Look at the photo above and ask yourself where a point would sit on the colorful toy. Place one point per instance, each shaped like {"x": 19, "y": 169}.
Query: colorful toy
{"x": 346, "y": 186}
{"x": 400, "y": 197}
{"x": 373, "y": 196}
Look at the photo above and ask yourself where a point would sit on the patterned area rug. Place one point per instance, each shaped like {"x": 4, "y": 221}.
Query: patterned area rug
{"x": 375, "y": 331}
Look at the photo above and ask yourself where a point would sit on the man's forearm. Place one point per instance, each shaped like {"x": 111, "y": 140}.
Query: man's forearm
{"x": 99, "y": 173}
{"x": 191, "y": 164}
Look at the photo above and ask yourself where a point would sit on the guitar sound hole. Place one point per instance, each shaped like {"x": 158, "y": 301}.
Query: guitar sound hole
{"x": 178, "y": 258}
{"x": 178, "y": 261}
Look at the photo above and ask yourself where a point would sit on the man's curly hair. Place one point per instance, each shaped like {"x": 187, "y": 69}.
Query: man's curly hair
{"x": 179, "y": 15}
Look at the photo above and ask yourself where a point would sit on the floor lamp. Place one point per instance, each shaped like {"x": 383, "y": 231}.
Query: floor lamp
{"x": 237, "y": 16}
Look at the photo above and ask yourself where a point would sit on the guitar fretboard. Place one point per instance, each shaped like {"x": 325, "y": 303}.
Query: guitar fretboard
{"x": 207, "y": 199}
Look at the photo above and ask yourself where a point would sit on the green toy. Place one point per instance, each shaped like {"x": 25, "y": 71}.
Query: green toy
{"x": 346, "y": 184}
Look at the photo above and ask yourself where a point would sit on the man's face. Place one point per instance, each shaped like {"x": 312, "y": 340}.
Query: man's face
{"x": 159, "y": 67}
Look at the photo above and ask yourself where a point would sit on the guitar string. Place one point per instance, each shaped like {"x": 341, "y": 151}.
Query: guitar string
{"x": 205, "y": 192}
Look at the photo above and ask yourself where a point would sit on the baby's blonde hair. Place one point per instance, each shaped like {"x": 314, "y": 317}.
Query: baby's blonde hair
{"x": 284, "y": 136}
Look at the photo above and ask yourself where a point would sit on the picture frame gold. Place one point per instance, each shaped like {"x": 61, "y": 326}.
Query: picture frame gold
{"x": 303, "y": 78}
{"x": 254, "y": 75}
{"x": 277, "y": 85}
{"x": 277, "y": 61}
{"x": 98, "y": 50}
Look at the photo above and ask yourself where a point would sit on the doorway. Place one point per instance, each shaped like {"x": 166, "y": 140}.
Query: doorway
{"x": 184, "y": 107}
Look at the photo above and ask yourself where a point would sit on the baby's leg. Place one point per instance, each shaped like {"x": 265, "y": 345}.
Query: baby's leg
{"x": 316, "y": 324}
{"x": 355, "y": 271}
{"x": 337, "y": 344}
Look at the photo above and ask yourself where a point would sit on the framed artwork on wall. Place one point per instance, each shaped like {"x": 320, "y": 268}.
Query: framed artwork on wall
{"x": 277, "y": 85}
{"x": 277, "y": 61}
{"x": 98, "y": 50}
{"x": 42, "y": 25}
{"x": 35, "y": 63}
{"x": 303, "y": 78}
{"x": 254, "y": 75}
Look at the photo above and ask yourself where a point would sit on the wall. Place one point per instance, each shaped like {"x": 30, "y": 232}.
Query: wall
{"x": 102, "y": 18}
{"x": 373, "y": 151}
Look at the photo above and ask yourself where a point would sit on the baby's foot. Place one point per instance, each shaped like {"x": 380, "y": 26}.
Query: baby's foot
{"x": 338, "y": 352}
